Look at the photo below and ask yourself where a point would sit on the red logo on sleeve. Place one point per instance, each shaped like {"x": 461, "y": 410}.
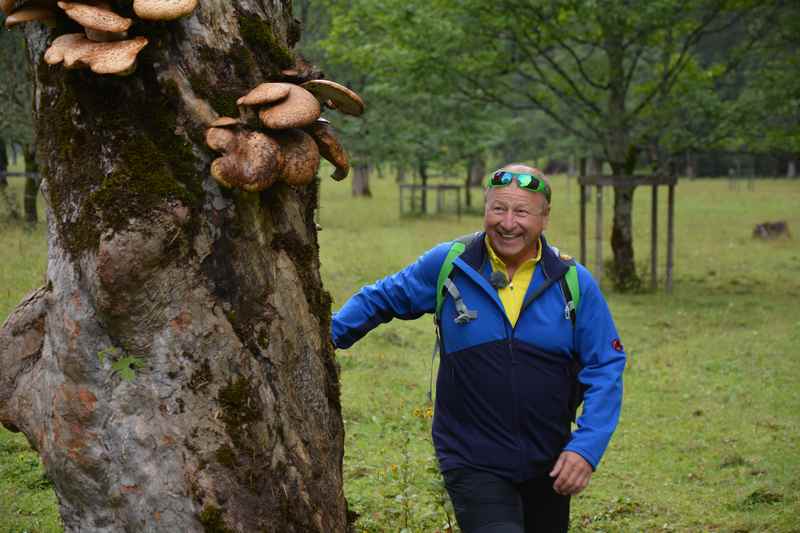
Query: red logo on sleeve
{"x": 617, "y": 345}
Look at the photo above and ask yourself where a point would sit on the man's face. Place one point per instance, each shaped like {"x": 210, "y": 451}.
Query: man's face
{"x": 514, "y": 219}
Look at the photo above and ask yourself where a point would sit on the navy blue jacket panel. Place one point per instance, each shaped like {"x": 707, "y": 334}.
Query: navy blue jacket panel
{"x": 503, "y": 392}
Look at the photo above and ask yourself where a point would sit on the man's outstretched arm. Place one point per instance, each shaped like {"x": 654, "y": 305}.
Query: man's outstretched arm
{"x": 408, "y": 294}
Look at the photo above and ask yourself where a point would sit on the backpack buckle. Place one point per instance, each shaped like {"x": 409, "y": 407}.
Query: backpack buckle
{"x": 465, "y": 315}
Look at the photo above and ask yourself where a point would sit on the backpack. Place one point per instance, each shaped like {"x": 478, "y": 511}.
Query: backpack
{"x": 570, "y": 288}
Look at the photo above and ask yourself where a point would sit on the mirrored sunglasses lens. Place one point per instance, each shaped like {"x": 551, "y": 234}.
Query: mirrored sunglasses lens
{"x": 502, "y": 178}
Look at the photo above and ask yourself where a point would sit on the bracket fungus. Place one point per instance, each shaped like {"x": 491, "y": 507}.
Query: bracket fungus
{"x": 282, "y": 105}
{"x": 329, "y": 147}
{"x": 300, "y": 154}
{"x": 289, "y": 117}
{"x": 225, "y": 122}
{"x": 252, "y": 161}
{"x": 163, "y": 9}
{"x": 77, "y": 51}
{"x": 105, "y": 48}
{"x": 29, "y": 14}
{"x": 342, "y": 99}
{"x": 99, "y": 22}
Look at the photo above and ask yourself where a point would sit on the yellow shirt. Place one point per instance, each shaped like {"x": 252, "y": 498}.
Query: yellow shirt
{"x": 513, "y": 294}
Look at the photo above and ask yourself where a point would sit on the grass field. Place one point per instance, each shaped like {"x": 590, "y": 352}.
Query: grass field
{"x": 708, "y": 439}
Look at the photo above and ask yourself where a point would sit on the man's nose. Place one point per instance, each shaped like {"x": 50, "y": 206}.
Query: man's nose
{"x": 507, "y": 222}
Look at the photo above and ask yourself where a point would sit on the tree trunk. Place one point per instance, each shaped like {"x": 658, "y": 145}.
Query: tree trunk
{"x": 8, "y": 200}
{"x": 623, "y": 271}
{"x": 594, "y": 166}
{"x": 791, "y": 168}
{"x": 31, "y": 185}
{"x": 422, "y": 168}
{"x": 3, "y": 163}
{"x": 622, "y": 158}
{"x": 360, "y": 183}
{"x": 691, "y": 168}
{"x": 175, "y": 372}
{"x": 476, "y": 172}
{"x": 401, "y": 174}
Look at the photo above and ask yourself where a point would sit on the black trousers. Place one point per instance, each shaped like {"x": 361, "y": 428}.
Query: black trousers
{"x": 487, "y": 503}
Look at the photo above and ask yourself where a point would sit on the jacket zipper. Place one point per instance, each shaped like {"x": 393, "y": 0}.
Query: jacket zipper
{"x": 517, "y": 417}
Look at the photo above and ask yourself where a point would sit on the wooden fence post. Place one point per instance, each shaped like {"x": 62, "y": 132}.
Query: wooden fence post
{"x": 654, "y": 239}
{"x": 598, "y": 233}
{"x": 582, "y": 192}
{"x": 670, "y": 235}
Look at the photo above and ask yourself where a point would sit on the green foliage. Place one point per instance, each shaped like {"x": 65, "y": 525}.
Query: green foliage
{"x": 127, "y": 366}
{"x": 401, "y": 108}
{"x": 610, "y": 74}
{"x": 16, "y": 89}
{"x": 769, "y": 105}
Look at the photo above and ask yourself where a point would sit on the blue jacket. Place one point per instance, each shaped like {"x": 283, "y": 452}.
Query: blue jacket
{"x": 503, "y": 392}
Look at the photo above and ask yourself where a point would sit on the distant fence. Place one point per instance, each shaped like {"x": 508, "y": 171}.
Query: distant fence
{"x": 413, "y": 199}
{"x": 34, "y": 175}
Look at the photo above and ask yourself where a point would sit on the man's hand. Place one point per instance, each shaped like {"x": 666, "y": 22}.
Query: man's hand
{"x": 572, "y": 474}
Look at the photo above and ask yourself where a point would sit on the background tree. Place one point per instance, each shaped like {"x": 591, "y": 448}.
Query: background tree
{"x": 418, "y": 124}
{"x": 769, "y": 105}
{"x": 175, "y": 371}
{"x": 16, "y": 124}
{"x": 602, "y": 72}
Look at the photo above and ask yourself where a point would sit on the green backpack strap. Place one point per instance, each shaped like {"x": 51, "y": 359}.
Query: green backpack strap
{"x": 571, "y": 277}
{"x": 444, "y": 273}
{"x": 572, "y": 292}
{"x": 457, "y": 248}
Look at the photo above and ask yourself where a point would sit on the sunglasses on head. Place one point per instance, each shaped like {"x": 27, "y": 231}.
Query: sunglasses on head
{"x": 503, "y": 178}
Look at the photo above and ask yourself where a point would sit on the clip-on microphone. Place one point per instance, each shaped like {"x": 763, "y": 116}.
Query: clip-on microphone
{"x": 498, "y": 280}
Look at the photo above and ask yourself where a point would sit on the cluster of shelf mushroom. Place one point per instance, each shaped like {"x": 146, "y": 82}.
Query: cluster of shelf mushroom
{"x": 103, "y": 46}
{"x": 280, "y": 135}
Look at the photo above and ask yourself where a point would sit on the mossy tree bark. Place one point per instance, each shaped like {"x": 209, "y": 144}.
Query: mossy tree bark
{"x": 175, "y": 372}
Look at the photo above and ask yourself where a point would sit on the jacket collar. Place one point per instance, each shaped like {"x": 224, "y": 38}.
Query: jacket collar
{"x": 476, "y": 257}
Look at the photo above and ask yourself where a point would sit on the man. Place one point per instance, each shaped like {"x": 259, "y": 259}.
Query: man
{"x": 513, "y": 356}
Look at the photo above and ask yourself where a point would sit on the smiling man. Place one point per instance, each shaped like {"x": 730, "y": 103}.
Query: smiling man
{"x": 525, "y": 335}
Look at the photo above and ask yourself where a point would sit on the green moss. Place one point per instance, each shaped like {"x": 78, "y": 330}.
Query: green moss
{"x": 239, "y": 408}
{"x": 143, "y": 180}
{"x": 225, "y": 456}
{"x": 148, "y": 165}
{"x": 242, "y": 60}
{"x": 222, "y": 100}
{"x": 260, "y": 38}
{"x": 213, "y": 520}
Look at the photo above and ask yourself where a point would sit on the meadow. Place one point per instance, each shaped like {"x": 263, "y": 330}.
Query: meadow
{"x": 708, "y": 439}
